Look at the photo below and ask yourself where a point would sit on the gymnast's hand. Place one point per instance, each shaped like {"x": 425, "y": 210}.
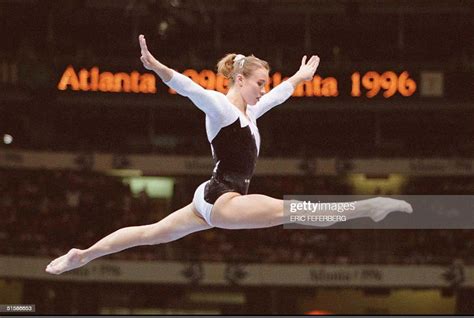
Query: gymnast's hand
{"x": 307, "y": 70}
{"x": 151, "y": 63}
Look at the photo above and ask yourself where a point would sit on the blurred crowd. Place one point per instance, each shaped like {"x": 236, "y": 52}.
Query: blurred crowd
{"x": 45, "y": 213}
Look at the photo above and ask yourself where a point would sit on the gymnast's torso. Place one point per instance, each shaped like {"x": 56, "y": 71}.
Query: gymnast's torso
{"x": 235, "y": 150}
{"x": 233, "y": 135}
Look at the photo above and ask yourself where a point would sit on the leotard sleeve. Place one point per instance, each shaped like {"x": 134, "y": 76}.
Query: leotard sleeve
{"x": 274, "y": 97}
{"x": 205, "y": 100}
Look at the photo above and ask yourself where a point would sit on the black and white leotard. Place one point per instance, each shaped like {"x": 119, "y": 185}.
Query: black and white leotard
{"x": 234, "y": 138}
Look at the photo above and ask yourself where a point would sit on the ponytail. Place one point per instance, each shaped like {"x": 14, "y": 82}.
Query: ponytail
{"x": 225, "y": 66}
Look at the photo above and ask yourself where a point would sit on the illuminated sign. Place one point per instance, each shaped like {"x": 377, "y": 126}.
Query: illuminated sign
{"x": 317, "y": 87}
{"x": 94, "y": 81}
{"x": 389, "y": 81}
{"x": 370, "y": 83}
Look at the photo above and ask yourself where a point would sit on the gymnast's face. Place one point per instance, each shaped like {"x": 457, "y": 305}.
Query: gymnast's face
{"x": 252, "y": 87}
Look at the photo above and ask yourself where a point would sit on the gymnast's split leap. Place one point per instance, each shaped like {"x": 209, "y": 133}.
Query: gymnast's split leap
{"x": 231, "y": 126}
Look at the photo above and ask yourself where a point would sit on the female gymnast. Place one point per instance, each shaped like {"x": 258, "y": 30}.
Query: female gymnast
{"x": 231, "y": 126}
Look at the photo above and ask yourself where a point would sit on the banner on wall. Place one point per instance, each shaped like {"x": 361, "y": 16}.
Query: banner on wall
{"x": 155, "y": 164}
{"x": 241, "y": 274}
{"x": 187, "y": 165}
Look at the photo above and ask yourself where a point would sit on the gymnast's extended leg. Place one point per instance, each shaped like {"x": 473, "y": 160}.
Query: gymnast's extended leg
{"x": 176, "y": 225}
{"x": 235, "y": 211}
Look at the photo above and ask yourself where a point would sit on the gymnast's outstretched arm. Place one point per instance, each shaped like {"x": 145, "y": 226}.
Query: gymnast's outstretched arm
{"x": 205, "y": 100}
{"x": 283, "y": 91}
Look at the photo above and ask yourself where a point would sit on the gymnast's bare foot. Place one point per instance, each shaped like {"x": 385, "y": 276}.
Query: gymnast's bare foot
{"x": 380, "y": 207}
{"x": 73, "y": 259}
